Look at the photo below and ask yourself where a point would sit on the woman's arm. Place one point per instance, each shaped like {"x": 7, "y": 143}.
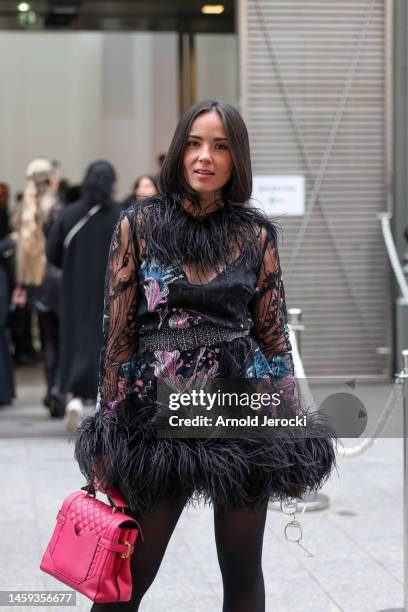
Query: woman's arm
{"x": 269, "y": 310}
{"x": 119, "y": 320}
{"x": 100, "y": 436}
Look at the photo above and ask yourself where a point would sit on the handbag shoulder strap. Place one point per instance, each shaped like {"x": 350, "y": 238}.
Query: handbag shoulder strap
{"x": 117, "y": 503}
{"x": 80, "y": 224}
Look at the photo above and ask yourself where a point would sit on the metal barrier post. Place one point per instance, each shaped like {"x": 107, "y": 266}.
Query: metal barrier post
{"x": 403, "y": 379}
{"x": 295, "y": 321}
{"x": 314, "y": 501}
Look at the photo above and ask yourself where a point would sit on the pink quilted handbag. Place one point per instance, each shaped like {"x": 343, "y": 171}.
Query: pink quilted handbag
{"x": 91, "y": 546}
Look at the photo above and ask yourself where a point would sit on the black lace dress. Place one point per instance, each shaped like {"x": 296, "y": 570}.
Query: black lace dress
{"x": 169, "y": 269}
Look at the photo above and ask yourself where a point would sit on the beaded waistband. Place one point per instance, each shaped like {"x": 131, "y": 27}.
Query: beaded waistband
{"x": 189, "y": 338}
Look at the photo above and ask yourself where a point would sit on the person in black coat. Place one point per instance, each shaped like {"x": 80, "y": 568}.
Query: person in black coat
{"x": 7, "y": 247}
{"x": 79, "y": 244}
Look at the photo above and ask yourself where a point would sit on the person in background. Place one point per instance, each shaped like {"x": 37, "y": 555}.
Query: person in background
{"x": 145, "y": 187}
{"x": 79, "y": 244}
{"x": 57, "y": 186}
{"x": 63, "y": 188}
{"x": 7, "y": 246}
{"x": 38, "y": 283}
{"x": 4, "y": 214}
{"x": 20, "y": 319}
{"x": 72, "y": 194}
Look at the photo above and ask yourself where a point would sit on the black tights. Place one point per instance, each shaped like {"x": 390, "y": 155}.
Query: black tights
{"x": 239, "y": 538}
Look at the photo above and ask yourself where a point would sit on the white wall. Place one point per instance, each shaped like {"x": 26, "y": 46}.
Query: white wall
{"x": 165, "y": 90}
{"x": 127, "y": 105}
{"x": 217, "y": 67}
{"x": 77, "y": 97}
{"x": 49, "y": 96}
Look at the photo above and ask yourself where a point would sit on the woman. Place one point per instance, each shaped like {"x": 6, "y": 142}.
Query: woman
{"x": 194, "y": 293}
{"x": 37, "y": 280}
{"x": 145, "y": 186}
{"x": 79, "y": 244}
{"x": 7, "y": 246}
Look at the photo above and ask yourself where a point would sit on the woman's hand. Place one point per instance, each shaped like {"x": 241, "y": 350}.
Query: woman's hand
{"x": 19, "y": 297}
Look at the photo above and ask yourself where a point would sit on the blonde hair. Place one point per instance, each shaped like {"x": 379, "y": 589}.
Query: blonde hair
{"x": 31, "y": 258}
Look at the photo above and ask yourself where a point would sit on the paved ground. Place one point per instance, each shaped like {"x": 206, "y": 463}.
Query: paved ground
{"x": 357, "y": 541}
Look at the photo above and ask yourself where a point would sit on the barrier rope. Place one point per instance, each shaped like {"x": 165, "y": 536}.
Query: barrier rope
{"x": 385, "y": 219}
{"x": 309, "y": 402}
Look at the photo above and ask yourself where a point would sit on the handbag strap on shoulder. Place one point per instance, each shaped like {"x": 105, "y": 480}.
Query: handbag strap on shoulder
{"x": 116, "y": 501}
{"x": 80, "y": 224}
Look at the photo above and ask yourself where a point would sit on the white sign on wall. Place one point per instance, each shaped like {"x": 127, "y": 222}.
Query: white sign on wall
{"x": 279, "y": 195}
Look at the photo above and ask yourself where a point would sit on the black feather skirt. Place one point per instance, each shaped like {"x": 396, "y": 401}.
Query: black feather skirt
{"x": 123, "y": 447}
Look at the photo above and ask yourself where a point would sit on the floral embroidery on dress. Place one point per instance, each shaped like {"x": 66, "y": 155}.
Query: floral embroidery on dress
{"x": 209, "y": 367}
{"x": 182, "y": 320}
{"x": 139, "y": 379}
{"x": 156, "y": 283}
{"x": 281, "y": 365}
{"x": 260, "y": 367}
{"x": 121, "y": 394}
{"x": 169, "y": 368}
{"x": 165, "y": 368}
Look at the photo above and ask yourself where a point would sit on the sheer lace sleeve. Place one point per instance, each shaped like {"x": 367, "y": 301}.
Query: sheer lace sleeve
{"x": 269, "y": 310}
{"x": 119, "y": 320}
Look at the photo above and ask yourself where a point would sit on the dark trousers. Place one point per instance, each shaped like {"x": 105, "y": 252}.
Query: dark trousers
{"x": 49, "y": 330}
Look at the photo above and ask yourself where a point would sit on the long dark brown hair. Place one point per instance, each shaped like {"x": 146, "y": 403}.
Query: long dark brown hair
{"x": 98, "y": 184}
{"x": 239, "y": 187}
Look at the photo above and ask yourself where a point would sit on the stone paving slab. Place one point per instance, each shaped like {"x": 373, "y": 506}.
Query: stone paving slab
{"x": 357, "y": 541}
